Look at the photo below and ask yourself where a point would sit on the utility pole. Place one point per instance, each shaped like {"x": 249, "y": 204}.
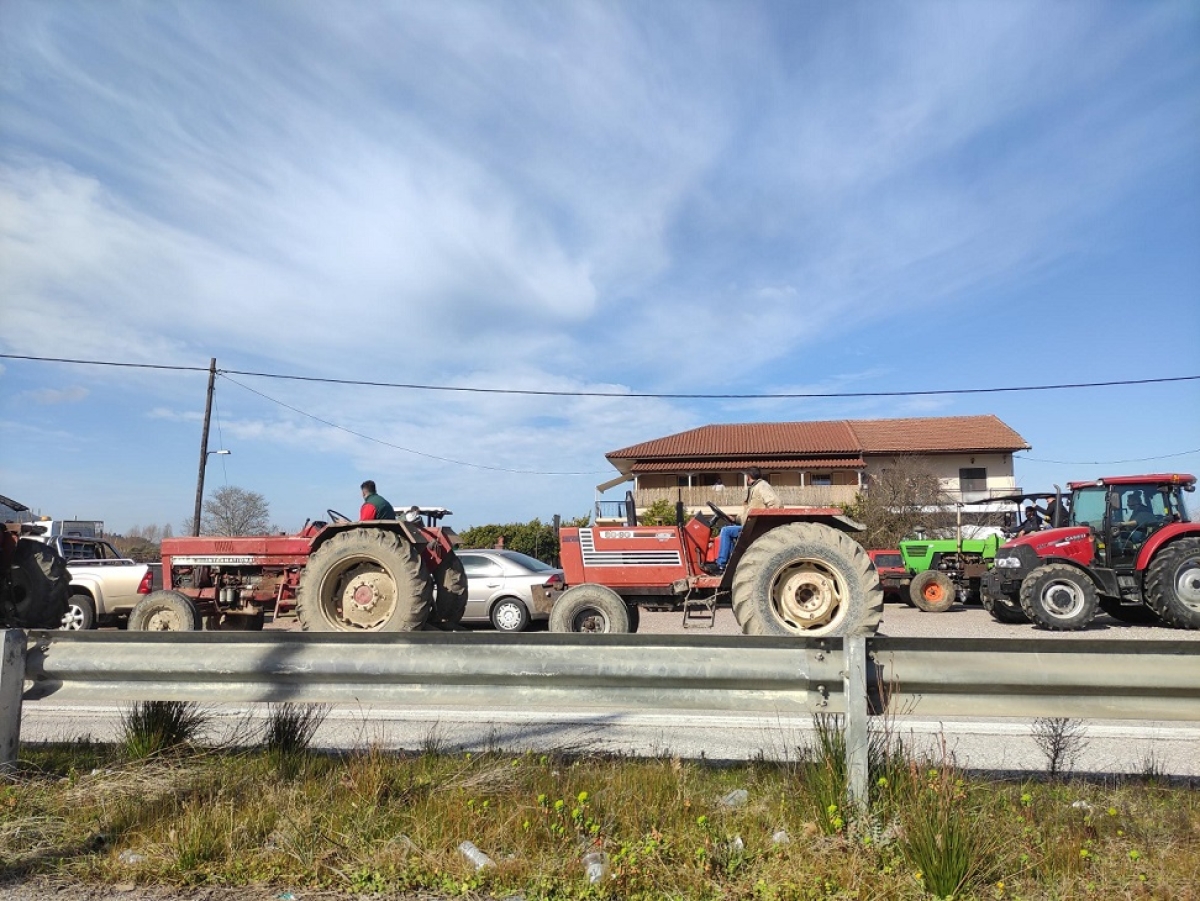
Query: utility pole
{"x": 212, "y": 377}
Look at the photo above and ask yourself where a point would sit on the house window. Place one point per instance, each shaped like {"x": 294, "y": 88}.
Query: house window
{"x": 825, "y": 479}
{"x": 972, "y": 483}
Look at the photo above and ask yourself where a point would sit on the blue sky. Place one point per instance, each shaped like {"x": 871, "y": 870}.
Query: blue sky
{"x": 664, "y": 198}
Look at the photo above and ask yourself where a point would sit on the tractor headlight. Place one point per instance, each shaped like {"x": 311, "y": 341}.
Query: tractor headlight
{"x": 1008, "y": 563}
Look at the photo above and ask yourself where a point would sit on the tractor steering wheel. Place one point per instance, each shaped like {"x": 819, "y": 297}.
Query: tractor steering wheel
{"x": 334, "y": 516}
{"x": 721, "y": 514}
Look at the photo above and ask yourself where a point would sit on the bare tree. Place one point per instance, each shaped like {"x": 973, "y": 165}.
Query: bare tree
{"x": 903, "y": 496}
{"x": 235, "y": 511}
{"x": 1062, "y": 740}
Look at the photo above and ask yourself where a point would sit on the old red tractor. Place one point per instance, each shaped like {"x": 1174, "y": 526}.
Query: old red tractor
{"x": 1127, "y": 549}
{"x": 792, "y": 572}
{"x": 342, "y": 576}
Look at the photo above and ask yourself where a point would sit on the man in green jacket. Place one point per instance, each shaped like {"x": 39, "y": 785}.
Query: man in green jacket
{"x": 374, "y": 506}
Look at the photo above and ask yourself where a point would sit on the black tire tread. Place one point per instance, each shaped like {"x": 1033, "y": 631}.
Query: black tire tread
{"x": 809, "y": 539}
{"x": 414, "y": 587}
{"x": 565, "y": 609}
{"x": 1038, "y": 615}
{"x": 1160, "y": 589}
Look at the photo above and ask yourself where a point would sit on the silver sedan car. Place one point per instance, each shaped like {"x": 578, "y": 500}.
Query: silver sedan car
{"x": 508, "y": 589}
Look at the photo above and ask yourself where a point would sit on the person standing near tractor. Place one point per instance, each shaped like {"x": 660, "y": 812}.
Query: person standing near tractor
{"x": 374, "y": 506}
{"x": 759, "y": 494}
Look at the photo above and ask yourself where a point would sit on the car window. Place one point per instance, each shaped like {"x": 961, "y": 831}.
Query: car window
{"x": 478, "y": 566}
{"x": 888, "y": 560}
{"x": 531, "y": 563}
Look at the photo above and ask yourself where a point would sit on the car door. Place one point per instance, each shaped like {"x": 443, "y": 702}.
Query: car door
{"x": 485, "y": 578}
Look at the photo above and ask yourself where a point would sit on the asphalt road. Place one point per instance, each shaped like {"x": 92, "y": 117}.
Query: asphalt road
{"x": 987, "y": 744}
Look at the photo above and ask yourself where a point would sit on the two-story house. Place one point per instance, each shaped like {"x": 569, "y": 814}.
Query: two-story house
{"x": 817, "y": 463}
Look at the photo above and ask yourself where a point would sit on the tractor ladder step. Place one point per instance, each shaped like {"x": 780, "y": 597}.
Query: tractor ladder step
{"x": 700, "y": 613}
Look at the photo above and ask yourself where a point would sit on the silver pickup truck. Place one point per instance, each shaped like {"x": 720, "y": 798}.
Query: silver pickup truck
{"x": 104, "y": 585}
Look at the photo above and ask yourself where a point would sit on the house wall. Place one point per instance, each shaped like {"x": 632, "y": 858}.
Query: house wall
{"x": 947, "y": 467}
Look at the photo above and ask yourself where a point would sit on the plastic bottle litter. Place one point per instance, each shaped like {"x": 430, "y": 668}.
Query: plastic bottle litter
{"x": 477, "y": 857}
{"x": 735, "y": 798}
{"x": 131, "y": 858}
{"x": 595, "y": 865}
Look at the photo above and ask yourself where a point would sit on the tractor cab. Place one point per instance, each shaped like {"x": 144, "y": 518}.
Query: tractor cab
{"x": 1124, "y": 515}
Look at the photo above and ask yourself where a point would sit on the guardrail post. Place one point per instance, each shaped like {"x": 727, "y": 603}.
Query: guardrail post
{"x": 857, "y": 738}
{"x": 12, "y": 685}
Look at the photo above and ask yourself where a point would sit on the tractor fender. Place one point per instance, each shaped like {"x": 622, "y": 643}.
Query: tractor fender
{"x": 1164, "y": 536}
{"x": 411, "y": 531}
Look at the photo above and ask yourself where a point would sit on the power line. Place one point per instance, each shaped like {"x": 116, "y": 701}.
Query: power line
{"x": 412, "y": 386}
{"x": 1107, "y": 462}
{"x": 408, "y": 450}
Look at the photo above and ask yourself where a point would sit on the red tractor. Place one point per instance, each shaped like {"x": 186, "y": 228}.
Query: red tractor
{"x": 1127, "y": 549}
{"x": 342, "y": 576}
{"x": 792, "y": 572}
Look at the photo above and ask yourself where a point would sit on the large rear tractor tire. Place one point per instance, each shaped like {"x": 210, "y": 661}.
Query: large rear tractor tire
{"x": 1138, "y": 614}
{"x": 164, "y": 611}
{"x": 806, "y": 579}
{"x": 449, "y": 591}
{"x": 932, "y": 591}
{"x": 590, "y": 608}
{"x": 1173, "y": 584}
{"x": 81, "y": 613}
{"x": 1058, "y": 596}
{"x": 365, "y": 580}
{"x": 1005, "y": 609}
{"x": 39, "y": 585}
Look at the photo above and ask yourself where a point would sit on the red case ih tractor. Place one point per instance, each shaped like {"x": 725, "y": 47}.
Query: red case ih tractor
{"x": 1127, "y": 549}
{"x": 343, "y": 576}
{"x": 34, "y": 582}
{"x": 792, "y": 572}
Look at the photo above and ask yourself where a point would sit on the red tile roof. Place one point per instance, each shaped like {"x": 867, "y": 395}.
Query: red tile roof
{"x": 777, "y": 443}
{"x": 936, "y": 434}
{"x": 749, "y": 439}
{"x": 742, "y": 464}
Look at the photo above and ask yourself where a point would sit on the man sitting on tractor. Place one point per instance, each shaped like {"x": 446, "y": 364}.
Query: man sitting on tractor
{"x": 374, "y": 505}
{"x": 759, "y": 494}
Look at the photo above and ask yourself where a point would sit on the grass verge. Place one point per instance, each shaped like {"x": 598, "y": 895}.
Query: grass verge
{"x": 375, "y": 822}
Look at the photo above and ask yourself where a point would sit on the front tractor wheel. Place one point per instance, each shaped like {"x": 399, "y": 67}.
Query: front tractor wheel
{"x": 806, "y": 579}
{"x": 364, "y": 580}
{"x": 590, "y": 608}
{"x": 1173, "y": 584}
{"x": 1058, "y": 596}
{"x": 164, "y": 611}
{"x": 932, "y": 591}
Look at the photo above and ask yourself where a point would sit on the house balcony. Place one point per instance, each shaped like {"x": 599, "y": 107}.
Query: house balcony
{"x": 697, "y": 498}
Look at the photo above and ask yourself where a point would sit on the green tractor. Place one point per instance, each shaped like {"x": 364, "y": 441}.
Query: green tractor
{"x": 945, "y": 569}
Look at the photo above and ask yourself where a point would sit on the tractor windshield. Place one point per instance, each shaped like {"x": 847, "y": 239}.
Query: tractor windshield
{"x": 1087, "y": 507}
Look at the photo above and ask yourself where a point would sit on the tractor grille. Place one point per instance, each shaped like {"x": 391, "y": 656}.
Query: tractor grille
{"x": 625, "y": 557}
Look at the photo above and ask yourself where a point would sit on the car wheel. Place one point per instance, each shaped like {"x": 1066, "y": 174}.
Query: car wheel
{"x": 1173, "y": 584}
{"x": 510, "y": 615}
{"x": 81, "y": 613}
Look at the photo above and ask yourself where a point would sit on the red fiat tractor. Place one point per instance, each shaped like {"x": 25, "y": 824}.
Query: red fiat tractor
{"x": 1127, "y": 549}
{"x": 341, "y": 576}
{"x": 792, "y": 572}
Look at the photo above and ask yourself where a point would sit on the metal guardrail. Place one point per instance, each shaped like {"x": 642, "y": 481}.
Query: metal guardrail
{"x": 1110, "y": 679}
